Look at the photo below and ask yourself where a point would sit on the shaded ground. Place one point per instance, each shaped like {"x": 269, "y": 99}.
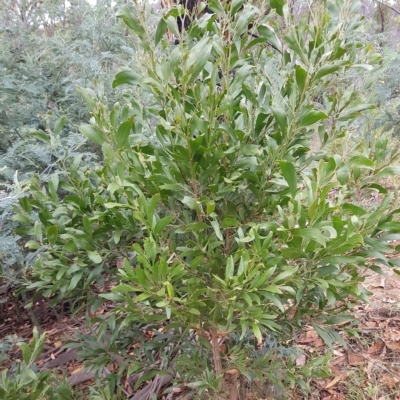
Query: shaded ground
{"x": 370, "y": 366}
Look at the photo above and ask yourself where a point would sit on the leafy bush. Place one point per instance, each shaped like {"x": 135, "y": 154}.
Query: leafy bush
{"x": 222, "y": 227}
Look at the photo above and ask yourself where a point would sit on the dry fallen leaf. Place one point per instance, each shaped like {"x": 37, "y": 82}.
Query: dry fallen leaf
{"x": 375, "y": 348}
{"x": 57, "y": 344}
{"x": 301, "y": 360}
{"x": 335, "y": 370}
{"x": 233, "y": 371}
{"x": 306, "y": 340}
{"x": 354, "y": 359}
{"x": 334, "y": 381}
{"x": 391, "y": 338}
{"x": 370, "y": 324}
{"x": 337, "y": 353}
{"x": 76, "y": 370}
{"x": 311, "y": 333}
{"x": 369, "y": 369}
{"x": 338, "y": 360}
{"x": 389, "y": 380}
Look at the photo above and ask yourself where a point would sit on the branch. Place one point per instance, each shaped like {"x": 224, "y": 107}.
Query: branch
{"x": 389, "y": 6}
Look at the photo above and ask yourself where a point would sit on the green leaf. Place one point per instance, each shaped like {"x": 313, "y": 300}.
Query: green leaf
{"x": 59, "y": 125}
{"x": 257, "y": 332}
{"x": 230, "y": 222}
{"x": 259, "y": 281}
{"x": 88, "y": 95}
{"x": 162, "y": 223}
{"x": 21, "y": 218}
{"x": 329, "y": 69}
{"x": 310, "y": 117}
{"x": 291, "y": 253}
{"x": 311, "y": 234}
{"x": 273, "y": 289}
{"x": 283, "y": 275}
{"x": 148, "y": 376}
{"x": 280, "y": 115}
{"x": 289, "y": 173}
{"x": 388, "y": 171}
{"x": 87, "y": 225}
{"x": 229, "y": 268}
{"x": 247, "y": 298}
{"x": 92, "y": 133}
{"x": 40, "y": 135}
{"x": 361, "y": 162}
{"x": 38, "y": 344}
{"x": 216, "y": 6}
{"x": 94, "y": 256}
{"x": 52, "y": 234}
{"x": 301, "y": 78}
{"x": 38, "y": 231}
{"x": 353, "y": 112}
{"x": 293, "y": 42}
{"x": 25, "y": 204}
{"x": 151, "y": 208}
{"x": 194, "y": 227}
{"x": 343, "y": 174}
{"x": 32, "y": 245}
{"x": 55, "y": 180}
{"x": 112, "y": 296}
{"x": 142, "y": 297}
{"x": 217, "y": 231}
{"x": 191, "y": 203}
{"x": 123, "y": 289}
{"x": 198, "y": 57}
{"x": 26, "y": 352}
{"x": 130, "y": 20}
{"x": 210, "y": 207}
{"x": 323, "y": 335}
{"x": 123, "y": 133}
{"x": 268, "y": 33}
{"x": 391, "y": 226}
{"x": 235, "y": 6}
{"x": 75, "y": 280}
{"x": 127, "y": 77}
{"x": 277, "y": 5}
{"x": 355, "y": 210}
{"x": 160, "y": 31}
{"x": 342, "y": 260}
{"x": 117, "y": 205}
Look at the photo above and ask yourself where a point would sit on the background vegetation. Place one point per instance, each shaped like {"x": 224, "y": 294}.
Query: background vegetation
{"x": 228, "y": 174}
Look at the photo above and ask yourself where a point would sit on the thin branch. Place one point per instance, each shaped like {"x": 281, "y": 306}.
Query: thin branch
{"x": 389, "y": 6}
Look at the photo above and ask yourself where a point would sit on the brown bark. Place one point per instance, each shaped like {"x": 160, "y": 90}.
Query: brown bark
{"x": 217, "y": 362}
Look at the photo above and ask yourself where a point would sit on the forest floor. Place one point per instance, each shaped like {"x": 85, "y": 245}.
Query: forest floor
{"x": 368, "y": 369}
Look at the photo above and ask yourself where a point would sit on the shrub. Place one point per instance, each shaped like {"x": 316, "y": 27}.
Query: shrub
{"x": 228, "y": 233}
